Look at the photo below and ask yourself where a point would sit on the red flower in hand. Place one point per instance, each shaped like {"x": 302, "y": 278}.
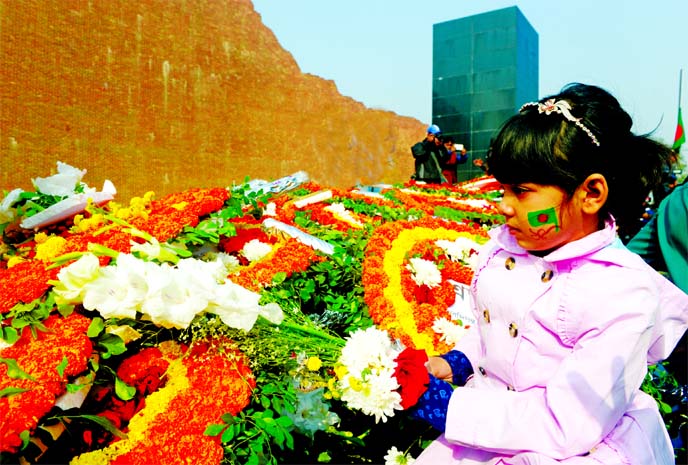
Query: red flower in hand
{"x": 412, "y": 375}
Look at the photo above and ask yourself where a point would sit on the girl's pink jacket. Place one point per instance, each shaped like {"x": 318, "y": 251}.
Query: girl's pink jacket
{"x": 560, "y": 350}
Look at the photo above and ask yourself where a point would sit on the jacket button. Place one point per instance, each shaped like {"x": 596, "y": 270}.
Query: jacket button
{"x": 486, "y": 315}
{"x": 546, "y": 276}
{"x": 513, "y": 329}
{"x": 510, "y": 388}
{"x": 482, "y": 371}
{"x": 510, "y": 263}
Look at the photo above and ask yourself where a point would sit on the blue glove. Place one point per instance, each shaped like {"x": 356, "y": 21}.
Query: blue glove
{"x": 432, "y": 406}
{"x": 460, "y": 366}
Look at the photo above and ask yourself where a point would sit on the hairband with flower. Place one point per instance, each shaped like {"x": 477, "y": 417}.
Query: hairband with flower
{"x": 564, "y": 108}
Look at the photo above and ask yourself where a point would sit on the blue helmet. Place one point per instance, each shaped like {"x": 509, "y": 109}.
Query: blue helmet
{"x": 434, "y": 129}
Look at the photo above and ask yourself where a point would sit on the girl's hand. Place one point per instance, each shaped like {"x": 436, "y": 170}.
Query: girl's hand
{"x": 440, "y": 369}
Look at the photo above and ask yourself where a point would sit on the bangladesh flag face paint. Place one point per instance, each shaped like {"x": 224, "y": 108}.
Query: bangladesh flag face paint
{"x": 544, "y": 217}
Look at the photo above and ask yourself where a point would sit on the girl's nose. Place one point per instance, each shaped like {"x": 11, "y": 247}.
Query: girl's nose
{"x": 505, "y": 208}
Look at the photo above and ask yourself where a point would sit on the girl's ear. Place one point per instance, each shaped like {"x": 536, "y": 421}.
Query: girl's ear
{"x": 594, "y": 192}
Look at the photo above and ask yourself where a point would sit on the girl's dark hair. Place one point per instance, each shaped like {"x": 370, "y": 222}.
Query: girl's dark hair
{"x": 549, "y": 149}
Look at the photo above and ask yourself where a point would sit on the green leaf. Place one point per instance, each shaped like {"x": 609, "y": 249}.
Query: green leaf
{"x": 213, "y": 430}
{"x": 61, "y": 367}
{"x": 96, "y": 327}
{"x": 13, "y": 370}
{"x": 228, "y": 435}
{"x": 11, "y": 391}
{"x": 113, "y": 344}
{"x": 9, "y": 334}
{"x": 25, "y": 436}
{"x": 123, "y": 390}
{"x": 105, "y": 423}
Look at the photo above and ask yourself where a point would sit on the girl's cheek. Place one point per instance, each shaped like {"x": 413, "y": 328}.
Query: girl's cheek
{"x": 543, "y": 223}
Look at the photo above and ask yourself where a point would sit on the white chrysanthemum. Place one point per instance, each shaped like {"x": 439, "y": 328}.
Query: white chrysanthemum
{"x": 396, "y": 457}
{"x": 424, "y": 272}
{"x": 450, "y": 332}
{"x": 374, "y": 393}
{"x": 73, "y": 277}
{"x": 462, "y": 249}
{"x": 368, "y": 348}
{"x": 63, "y": 183}
{"x": 254, "y": 250}
{"x": 230, "y": 262}
{"x": 340, "y": 211}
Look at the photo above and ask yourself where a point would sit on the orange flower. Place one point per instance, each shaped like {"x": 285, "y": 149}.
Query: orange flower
{"x": 65, "y": 338}
{"x": 394, "y": 301}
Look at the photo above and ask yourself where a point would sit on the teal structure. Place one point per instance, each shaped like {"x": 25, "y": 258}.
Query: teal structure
{"x": 484, "y": 68}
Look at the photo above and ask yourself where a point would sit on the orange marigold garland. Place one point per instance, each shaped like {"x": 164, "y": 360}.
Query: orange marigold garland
{"x": 207, "y": 381}
{"x": 40, "y": 358}
{"x": 395, "y": 302}
{"x": 24, "y": 282}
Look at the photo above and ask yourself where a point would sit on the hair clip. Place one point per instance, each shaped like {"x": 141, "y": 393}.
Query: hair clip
{"x": 564, "y": 108}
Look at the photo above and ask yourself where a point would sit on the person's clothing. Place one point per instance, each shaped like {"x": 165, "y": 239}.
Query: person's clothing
{"x": 559, "y": 352}
{"x": 428, "y": 161}
{"x": 449, "y": 167}
{"x": 663, "y": 241}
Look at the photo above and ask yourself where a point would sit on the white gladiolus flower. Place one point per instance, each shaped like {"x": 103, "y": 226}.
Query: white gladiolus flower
{"x": 230, "y": 262}
{"x": 270, "y": 209}
{"x": 7, "y": 213}
{"x": 172, "y": 301}
{"x": 424, "y": 272}
{"x": 254, "y": 250}
{"x": 238, "y": 307}
{"x": 63, "y": 183}
{"x": 73, "y": 277}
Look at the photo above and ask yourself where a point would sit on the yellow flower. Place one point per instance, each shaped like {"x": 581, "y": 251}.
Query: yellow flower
{"x": 180, "y": 206}
{"x": 355, "y": 383}
{"x": 51, "y": 248}
{"x": 340, "y": 371}
{"x": 313, "y": 363}
{"x": 40, "y": 237}
{"x": 14, "y": 260}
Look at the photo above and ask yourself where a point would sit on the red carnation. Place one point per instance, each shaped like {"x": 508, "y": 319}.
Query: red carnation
{"x": 412, "y": 375}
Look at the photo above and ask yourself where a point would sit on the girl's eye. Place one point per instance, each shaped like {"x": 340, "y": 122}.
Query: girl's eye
{"x": 518, "y": 190}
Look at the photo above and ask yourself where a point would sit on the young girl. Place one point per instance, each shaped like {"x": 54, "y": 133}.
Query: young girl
{"x": 568, "y": 318}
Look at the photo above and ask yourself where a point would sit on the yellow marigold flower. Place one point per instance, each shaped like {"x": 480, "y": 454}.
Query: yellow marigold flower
{"x": 40, "y": 237}
{"x": 313, "y": 363}
{"x": 340, "y": 371}
{"x": 180, "y": 206}
{"x": 14, "y": 260}
{"x": 51, "y": 248}
{"x": 355, "y": 383}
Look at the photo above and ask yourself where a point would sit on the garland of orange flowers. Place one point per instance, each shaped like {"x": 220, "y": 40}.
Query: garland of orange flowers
{"x": 24, "y": 282}
{"x": 388, "y": 285}
{"x": 287, "y": 256}
{"x": 40, "y": 357}
{"x": 203, "y": 383}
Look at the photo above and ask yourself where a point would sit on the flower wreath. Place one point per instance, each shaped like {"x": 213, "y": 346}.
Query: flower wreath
{"x": 201, "y": 384}
{"x": 397, "y": 303}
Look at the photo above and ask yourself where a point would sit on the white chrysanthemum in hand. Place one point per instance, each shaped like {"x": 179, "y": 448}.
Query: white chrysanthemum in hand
{"x": 450, "y": 332}
{"x": 424, "y": 272}
{"x": 368, "y": 383}
{"x": 396, "y": 457}
{"x": 255, "y": 250}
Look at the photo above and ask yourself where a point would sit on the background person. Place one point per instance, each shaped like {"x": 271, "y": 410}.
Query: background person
{"x": 429, "y": 155}
{"x": 456, "y": 155}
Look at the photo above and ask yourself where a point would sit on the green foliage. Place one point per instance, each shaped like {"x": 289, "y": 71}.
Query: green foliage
{"x": 250, "y": 436}
{"x": 29, "y": 315}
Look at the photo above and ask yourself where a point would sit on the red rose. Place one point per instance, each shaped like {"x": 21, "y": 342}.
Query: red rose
{"x": 412, "y": 375}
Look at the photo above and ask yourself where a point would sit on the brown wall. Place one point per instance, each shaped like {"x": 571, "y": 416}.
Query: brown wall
{"x": 164, "y": 95}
